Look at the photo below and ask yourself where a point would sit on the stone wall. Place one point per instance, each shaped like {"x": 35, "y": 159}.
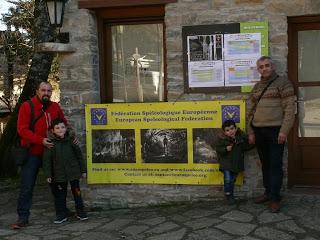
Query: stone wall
{"x": 80, "y": 83}
{"x": 79, "y": 71}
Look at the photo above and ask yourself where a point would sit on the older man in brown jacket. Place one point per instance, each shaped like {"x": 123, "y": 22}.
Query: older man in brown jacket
{"x": 271, "y": 116}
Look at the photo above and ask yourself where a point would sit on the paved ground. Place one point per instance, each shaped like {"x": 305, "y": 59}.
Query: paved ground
{"x": 299, "y": 219}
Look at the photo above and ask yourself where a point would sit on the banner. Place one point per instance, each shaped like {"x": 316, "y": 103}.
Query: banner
{"x": 161, "y": 143}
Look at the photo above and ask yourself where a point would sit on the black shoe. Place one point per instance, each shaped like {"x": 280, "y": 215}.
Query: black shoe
{"x": 59, "y": 220}
{"x": 19, "y": 224}
{"x": 82, "y": 215}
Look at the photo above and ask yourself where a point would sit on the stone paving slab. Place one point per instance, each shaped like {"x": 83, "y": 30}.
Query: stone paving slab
{"x": 299, "y": 219}
{"x": 237, "y": 228}
{"x": 239, "y": 216}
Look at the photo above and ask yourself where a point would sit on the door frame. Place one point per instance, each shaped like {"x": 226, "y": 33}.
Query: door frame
{"x": 296, "y": 23}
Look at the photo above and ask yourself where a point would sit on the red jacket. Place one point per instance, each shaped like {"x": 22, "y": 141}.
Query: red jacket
{"x": 41, "y": 127}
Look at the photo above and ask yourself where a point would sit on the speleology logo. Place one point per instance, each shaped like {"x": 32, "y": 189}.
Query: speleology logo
{"x": 230, "y": 112}
{"x": 99, "y": 116}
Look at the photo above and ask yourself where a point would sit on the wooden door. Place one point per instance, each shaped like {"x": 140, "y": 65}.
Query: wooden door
{"x": 304, "y": 72}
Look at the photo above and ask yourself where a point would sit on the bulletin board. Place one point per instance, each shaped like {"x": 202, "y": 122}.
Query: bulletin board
{"x": 222, "y": 57}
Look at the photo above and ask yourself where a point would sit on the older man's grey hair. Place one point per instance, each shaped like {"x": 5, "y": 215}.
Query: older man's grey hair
{"x": 265, "y": 58}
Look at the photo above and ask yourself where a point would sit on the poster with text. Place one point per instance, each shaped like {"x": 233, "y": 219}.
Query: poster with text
{"x": 242, "y": 46}
{"x": 157, "y": 143}
{"x": 241, "y": 73}
{"x": 206, "y": 74}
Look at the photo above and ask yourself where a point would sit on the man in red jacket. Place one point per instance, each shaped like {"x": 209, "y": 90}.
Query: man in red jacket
{"x": 44, "y": 112}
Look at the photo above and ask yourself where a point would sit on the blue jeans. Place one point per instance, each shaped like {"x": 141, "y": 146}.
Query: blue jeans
{"x": 270, "y": 153}
{"x": 229, "y": 180}
{"x": 59, "y": 191}
{"x": 29, "y": 172}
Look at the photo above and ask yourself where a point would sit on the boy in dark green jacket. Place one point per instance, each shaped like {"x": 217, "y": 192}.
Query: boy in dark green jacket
{"x": 230, "y": 148}
{"x": 62, "y": 164}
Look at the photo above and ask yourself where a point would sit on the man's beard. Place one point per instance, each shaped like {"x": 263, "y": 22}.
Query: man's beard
{"x": 45, "y": 99}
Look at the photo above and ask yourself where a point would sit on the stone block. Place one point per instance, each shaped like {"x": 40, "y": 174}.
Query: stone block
{"x": 218, "y": 4}
{"x": 82, "y": 59}
{"x": 70, "y": 101}
{"x": 315, "y": 6}
{"x": 76, "y": 85}
{"x": 249, "y": 2}
{"x": 116, "y": 203}
{"x": 174, "y": 45}
{"x": 287, "y": 8}
{"x": 279, "y": 39}
{"x": 90, "y": 97}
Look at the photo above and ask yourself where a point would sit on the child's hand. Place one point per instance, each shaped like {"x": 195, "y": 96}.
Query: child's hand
{"x": 229, "y": 148}
{"x": 76, "y": 141}
{"x": 49, "y": 180}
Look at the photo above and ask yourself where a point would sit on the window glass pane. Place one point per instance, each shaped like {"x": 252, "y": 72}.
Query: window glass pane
{"x": 137, "y": 63}
{"x": 309, "y": 56}
{"x": 309, "y": 111}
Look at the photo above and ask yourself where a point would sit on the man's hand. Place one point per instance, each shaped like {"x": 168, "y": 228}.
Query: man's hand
{"x": 49, "y": 180}
{"x": 47, "y": 143}
{"x": 282, "y": 137}
{"x": 229, "y": 148}
{"x": 251, "y": 138}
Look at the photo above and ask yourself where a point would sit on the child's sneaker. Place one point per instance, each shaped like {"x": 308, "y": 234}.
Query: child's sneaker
{"x": 59, "y": 220}
{"x": 231, "y": 200}
{"x": 82, "y": 215}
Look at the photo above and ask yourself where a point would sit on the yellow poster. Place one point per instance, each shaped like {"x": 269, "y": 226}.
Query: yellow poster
{"x": 160, "y": 143}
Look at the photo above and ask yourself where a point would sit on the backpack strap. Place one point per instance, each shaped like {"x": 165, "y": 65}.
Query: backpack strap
{"x": 262, "y": 93}
{"x": 32, "y": 120}
{"x": 265, "y": 88}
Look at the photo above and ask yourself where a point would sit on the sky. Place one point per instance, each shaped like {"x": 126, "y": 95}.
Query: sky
{"x": 4, "y": 6}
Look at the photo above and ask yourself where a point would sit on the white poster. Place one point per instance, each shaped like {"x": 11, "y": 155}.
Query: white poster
{"x": 241, "y": 73}
{"x": 205, "y": 48}
{"x": 206, "y": 74}
{"x": 242, "y": 46}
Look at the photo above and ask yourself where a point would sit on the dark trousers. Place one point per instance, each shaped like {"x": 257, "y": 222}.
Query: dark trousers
{"x": 271, "y": 154}
{"x": 29, "y": 172}
{"x": 229, "y": 180}
{"x": 59, "y": 191}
